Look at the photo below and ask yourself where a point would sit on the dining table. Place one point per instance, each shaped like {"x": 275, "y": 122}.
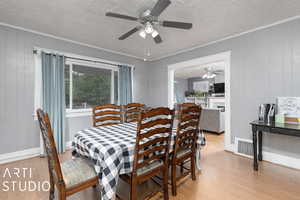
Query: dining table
{"x": 111, "y": 149}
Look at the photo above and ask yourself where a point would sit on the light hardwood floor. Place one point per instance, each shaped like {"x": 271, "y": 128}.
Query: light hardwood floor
{"x": 224, "y": 176}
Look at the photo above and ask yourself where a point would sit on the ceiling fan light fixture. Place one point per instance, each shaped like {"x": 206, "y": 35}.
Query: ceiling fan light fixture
{"x": 209, "y": 75}
{"x": 149, "y": 28}
{"x": 154, "y": 33}
{"x": 148, "y": 22}
{"x": 143, "y": 34}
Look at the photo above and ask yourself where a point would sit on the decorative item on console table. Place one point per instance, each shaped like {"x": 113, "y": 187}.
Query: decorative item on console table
{"x": 287, "y": 119}
{"x": 266, "y": 113}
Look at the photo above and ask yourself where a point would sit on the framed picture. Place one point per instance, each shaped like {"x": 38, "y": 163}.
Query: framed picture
{"x": 202, "y": 86}
{"x": 290, "y": 107}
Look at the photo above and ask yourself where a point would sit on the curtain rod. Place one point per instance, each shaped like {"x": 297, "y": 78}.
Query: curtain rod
{"x": 35, "y": 51}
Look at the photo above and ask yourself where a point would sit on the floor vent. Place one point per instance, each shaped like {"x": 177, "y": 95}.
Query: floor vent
{"x": 244, "y": 147}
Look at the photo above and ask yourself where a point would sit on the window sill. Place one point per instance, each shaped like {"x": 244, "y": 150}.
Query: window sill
{"x": 78, "y": 113}
{"x": 72, "y": 114}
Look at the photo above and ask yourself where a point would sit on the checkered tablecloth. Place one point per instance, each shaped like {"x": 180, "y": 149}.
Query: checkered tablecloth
{"x": 112, "y": 150}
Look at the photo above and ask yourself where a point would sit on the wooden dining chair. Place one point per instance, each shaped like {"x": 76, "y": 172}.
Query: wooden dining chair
{"x": 107, "y": 114}
{"x": 152, "y": 149}
{"x": 131, "y": 111}
{"x": 182, "y": 106}
{"x": 185, "y": 143}
{"x": 71, "y": 176}
{"x": 185, "y": 106}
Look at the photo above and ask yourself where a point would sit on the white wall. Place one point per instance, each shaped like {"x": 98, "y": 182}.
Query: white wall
{"x": 264, "y": 65}
{"x": 18, "y": 129}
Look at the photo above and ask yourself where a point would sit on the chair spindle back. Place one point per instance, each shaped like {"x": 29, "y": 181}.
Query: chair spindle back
{"x": 153, "y": 136}
{"x": 108, "y": 114}
{"x": 131, "y": 111}
{"x": 50, "y": 148}
{"x": 187, "y": 128}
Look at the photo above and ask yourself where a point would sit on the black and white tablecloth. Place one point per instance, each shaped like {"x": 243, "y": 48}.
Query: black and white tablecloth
{"x": 112, "y": 150}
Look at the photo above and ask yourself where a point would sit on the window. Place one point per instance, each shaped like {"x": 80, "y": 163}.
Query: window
{"x": 88, "y": 84}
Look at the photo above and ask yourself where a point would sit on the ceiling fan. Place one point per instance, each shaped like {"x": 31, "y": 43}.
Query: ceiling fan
{"x": 149, "y": 22}
{"x": 211, "y": 73}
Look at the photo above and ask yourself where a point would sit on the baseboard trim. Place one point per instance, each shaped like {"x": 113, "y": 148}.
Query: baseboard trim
{"x": 277, "y": 159}
{"x": 230, "y": 148}
{"x": 282, "y": 160}
{"x": 267, "y": 156}
{"x": 19, "y": 155}
{"x": 274, "y": 158}
{"x": 25, "y": 154}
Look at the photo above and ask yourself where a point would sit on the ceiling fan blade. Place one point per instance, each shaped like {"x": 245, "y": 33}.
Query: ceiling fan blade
{"x": 159, "y": 7}
{"x": 116, "y": 15}
{"x": 174, "y": 24}
{"x": 157, "y": 39}
{"x": 129, "y": 33}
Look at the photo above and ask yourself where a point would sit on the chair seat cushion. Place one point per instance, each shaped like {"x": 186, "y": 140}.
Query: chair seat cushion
{"x": 183, "y": 152}
{"x": 77, "y": 171}
{"x": 149, "y": 167}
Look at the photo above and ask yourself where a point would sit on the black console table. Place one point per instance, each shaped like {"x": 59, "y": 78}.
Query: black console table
{"x": 259, "y": 127}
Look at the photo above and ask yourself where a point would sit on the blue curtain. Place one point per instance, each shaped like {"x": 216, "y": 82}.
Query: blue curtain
{"x": 125, "y": 84}
{"x": 54, "y": 95}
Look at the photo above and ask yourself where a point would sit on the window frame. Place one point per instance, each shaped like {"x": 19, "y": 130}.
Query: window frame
{"x": 70, "y": 112}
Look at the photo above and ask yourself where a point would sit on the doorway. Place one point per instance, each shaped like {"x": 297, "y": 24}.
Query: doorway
{"x": 204, "y": 61}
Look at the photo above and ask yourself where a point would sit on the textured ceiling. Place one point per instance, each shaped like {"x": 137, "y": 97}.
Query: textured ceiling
{"x": 198, "y": 71}
{"x": 84, "y": 21}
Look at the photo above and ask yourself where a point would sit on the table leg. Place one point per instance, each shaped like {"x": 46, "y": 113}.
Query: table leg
{"x": 260, "y": 137}
{"x": 254, "y": 135}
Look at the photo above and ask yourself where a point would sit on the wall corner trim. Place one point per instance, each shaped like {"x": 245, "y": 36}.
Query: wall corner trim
{"x": 226, "y": 38}
{"x": 69, "y": 40}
